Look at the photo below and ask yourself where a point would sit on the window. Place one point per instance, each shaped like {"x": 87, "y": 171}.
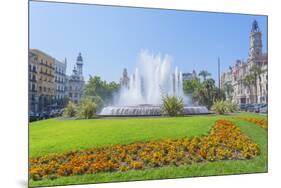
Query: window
{"x": 40, "y": 88}
{"x": 70, "y": 94}
{"x": 33, "y": 87}
{"x": 44, "y": 89}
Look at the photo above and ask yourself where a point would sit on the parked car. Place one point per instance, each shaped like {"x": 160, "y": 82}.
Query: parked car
{"x": 250, "y": 108}
{"x": 61, "y": 111}
{"x": 32, "y": 116}
{"x": 44, "y": 115}
{"x": 242, "y": 107}
{"x": 53, "y": 113}
{"x": 263, "y": 109}
{"x": 258, "y": 106}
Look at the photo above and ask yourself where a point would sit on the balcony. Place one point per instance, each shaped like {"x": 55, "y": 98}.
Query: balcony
{"x": 47, "y": 74}
{"x": 46, "y": 65}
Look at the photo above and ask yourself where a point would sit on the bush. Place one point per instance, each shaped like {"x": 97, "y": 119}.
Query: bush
{"x": 172, "y": 105}
{"x": 70, "y": 110}
{"x": 231, "y": 106}
{"x": 87, "y": 109}
{"x": 222, "y": 107}
{"x": 219, "y": 107}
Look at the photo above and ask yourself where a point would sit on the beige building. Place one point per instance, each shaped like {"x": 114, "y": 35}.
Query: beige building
{"x": 233, "y": 81}
{"x": 45, "y": 80}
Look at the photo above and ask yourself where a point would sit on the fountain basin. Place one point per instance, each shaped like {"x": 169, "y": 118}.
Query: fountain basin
{"x": 147, "y": 110}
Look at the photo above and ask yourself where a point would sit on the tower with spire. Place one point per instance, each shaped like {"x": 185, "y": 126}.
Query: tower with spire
{"x": 76, "y": 81}
{"x": 255, "y": 41}
{"x": 79, "y": 64}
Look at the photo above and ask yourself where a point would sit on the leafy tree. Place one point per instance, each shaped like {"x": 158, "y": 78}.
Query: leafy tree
{"x": 228, "y": 88}
{"x": 248, "y": 81}
{"x": 189, "y": 86}
{"x": 172, "y": 105}
{"x": 204, "y": 74}
{"x": 70, "y": 110}
{"x": 87, "y": 108}
{"x": 256, "y": 71}
{"x": 99, "y": 88}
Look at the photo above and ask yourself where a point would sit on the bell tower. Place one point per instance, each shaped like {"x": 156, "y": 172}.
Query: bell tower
{"x": 79, "y": 64}
{"x": 255, "y": 41}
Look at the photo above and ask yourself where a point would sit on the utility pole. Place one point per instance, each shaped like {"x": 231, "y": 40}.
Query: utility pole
{"x": 219, "y": 73}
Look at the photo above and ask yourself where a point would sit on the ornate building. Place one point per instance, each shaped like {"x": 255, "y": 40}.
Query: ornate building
{"x": 75, "y": 82}
{"x": 234, "y": 81}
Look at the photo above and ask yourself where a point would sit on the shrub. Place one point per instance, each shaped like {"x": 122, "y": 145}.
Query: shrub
{"x": 70, "y": 110}
{"x": 222, "y": 107}
{"x": 219, "y": 107}
{"x": 87, "y": 109}
{"x": 172, "y": 105}
{"x": 231, "y": 106}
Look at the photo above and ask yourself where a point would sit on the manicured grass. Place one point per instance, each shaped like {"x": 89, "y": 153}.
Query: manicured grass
{"x": 57, "y": 136}
{"x": 141, "y": 129}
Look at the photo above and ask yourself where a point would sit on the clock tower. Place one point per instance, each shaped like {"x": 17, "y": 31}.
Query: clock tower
{"x": 255, "y": 41}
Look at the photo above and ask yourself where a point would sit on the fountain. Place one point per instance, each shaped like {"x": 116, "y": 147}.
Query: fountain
{"x": 151, "y": 80}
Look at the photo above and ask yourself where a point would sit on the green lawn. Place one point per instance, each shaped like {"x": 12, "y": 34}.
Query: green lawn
{"x": 58, "y": 136}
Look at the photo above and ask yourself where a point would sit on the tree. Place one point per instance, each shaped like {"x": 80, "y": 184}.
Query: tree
{"x": 210, "y": 92}
{"x": 190, "y": 86}
{"x": 99, "y": 88}
{"x": 87, "y": 108}
{"x": 248, "y": 81}
{"x": 256, "y": 71}
{"x": 228, "y": 88}
{"x": 204, "y": 74}
{"x": 70, "y": 110}
{"x": 172, "y": 105}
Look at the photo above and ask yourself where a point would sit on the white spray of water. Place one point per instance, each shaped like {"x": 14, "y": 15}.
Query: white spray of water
{"x": 152, "y": 79}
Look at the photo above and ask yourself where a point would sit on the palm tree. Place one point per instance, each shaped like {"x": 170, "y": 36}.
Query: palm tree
{"x": 248, "y": 81}
{"x": 256, "y": 71}
{"x": 228, "y": 89}
{"x": 204, "y": 74}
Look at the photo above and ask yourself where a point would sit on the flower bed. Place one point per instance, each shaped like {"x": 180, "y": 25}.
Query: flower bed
{"x": 225, "y": 142}
{"x": 260, "y": 122}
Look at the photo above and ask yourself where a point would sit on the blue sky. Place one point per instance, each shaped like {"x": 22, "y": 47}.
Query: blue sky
{"x": 110, "y": 38}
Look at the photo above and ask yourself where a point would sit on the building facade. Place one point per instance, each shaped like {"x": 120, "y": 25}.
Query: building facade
{"x": 32, "y": 82}
{"x": 189, "y": 75}
{"x": 60, "y": 83}
{"x": 45, "y": 80}
{"x": 75, "y": 82}
{"x": 234, "y": 81}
